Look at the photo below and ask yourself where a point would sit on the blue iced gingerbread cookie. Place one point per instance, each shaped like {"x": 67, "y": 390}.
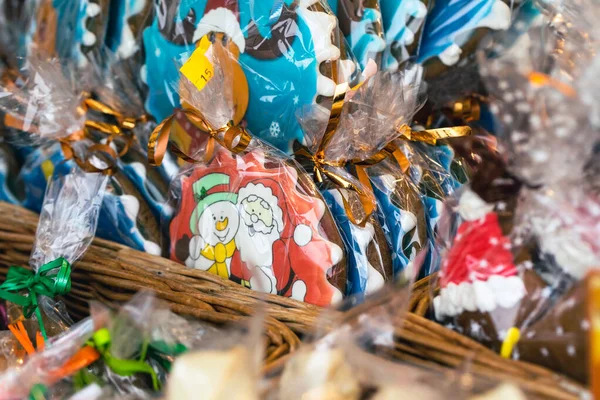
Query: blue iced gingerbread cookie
{"x": 361, "y": 24}
{"x": 282, "y": 46}
{"x": 402, "y": 24}
{"x": 367, "y": 254}
{"x": 401, "y": 214}
{"x": 127, "y": 21}
{"x": 451, "y": 23}
{"x": 69, "y": 29}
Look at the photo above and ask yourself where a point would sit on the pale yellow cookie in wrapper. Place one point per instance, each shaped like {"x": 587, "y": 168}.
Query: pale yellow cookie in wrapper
{"x": 213, "y": 375}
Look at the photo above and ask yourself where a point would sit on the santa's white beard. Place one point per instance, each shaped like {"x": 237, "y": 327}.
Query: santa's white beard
{"x": 256, "y": 250}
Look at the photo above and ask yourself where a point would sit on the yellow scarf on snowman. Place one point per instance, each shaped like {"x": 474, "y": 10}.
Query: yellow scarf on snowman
{"x": 219, "y": 253}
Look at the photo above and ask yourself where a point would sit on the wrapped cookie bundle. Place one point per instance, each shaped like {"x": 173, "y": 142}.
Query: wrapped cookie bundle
{"x": 68, "y": 125}
{"x": 110, "y": 354}
{"x": 292, "y": 55}
{"x": 515, "y": 275}
{"x": 67, "y": 225}
{"x": 243, "y": 210}
{"x": 350, "y": 360}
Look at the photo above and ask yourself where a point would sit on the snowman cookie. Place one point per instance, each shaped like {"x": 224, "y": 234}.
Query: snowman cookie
{"x": 287, "y": 50}
{"x": 258, "y": 222}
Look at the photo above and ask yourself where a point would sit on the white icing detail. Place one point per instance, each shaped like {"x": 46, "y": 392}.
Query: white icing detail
{"x": 151, "y": 248}
{"x": 321, "y": 26}
{"x": 483, "y": 296}
{"x": 263, "y": 280}
{"x": 144, "y": 74}
{"x": 93, "y": 10}
{"x": 221, "y": 20}
{"x": 471, "y": 207}
{"x": 571, "y": 350}
{"x": 498, "y": 18}
{"x": 139, "y": 169}
{"x": 299, "y": 290}
{"x": 131, "y": 205}
{"x": 128, "y": 45}
{"x": 451, "y": 55}
{"x": 571, "y": 253}
{"x": 302, "y": 235}
{"x": 346, "y": 69}
{"x": 336, "y": 254}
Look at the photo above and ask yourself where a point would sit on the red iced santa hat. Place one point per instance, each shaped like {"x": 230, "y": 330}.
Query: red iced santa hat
{"x": 478, "y": 273}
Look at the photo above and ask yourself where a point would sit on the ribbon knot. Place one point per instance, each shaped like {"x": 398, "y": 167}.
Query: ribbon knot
{"x": 51, "y": 280}
{"x": 233, "y": 137}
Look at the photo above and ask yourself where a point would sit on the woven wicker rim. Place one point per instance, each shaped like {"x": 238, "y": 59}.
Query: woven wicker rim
{"x": 112, "y": 273}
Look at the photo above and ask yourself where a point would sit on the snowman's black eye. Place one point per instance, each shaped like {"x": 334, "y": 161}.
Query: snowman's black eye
{"x": 215, "y": 218}
{"x": 253, "y": 210}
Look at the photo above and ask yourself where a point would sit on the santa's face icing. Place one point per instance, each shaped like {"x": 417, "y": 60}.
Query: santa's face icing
{"x": 262, "y": 224}
{"x": 219, "y": 223}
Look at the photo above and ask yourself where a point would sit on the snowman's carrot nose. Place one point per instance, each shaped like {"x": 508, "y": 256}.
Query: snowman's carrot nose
{"x": 221, "y": 225}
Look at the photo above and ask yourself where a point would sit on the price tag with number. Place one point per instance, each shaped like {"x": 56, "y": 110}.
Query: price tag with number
{"x": 199, "y": 68}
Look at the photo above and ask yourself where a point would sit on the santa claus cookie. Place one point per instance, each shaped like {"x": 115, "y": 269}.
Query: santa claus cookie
{"x": 262, "y": 224}
{"x": 482, "y": 294}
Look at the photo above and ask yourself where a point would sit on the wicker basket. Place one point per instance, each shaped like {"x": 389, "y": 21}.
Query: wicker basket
{"x": 112, "y": 273}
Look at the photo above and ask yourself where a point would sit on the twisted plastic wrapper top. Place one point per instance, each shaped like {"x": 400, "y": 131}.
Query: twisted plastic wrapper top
{"x": 68, "y": 218}
{"x": 373, "y": 112}
{"x": 251, "y": 216}
{"x": 48, "y": 104}
{"x": 291, "y": 53}
{"x": 67, "y": 225}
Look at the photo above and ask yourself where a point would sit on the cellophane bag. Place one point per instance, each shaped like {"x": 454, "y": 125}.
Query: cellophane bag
{"x": 515, "y": 270}
{"x": 352, "y": 357}
{"x": 366, "y": 124}
{"x": 369, "y": 124}
{"x": 225, "y": 365}
{"x": 292, "y": 55}
{"x": 129, "y": 352}
{"x": 51, "y": 106}
{"x": 253, "y": 215}
{"x": 67, "y": 225}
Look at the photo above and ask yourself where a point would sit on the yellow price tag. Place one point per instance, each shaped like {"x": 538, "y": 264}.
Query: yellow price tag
{"x": 198, "y": 68}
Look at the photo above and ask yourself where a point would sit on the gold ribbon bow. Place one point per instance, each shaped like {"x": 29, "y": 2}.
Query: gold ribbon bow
{"x": 231, "y": 136}
{"x": 391, "y": 150}
{"x": 322, "y": 168}
{"x": 122, "y": 128}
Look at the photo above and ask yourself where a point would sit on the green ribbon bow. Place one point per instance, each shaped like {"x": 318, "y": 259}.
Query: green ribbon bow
{"x": 101, "y": 341}
{"x": 44, "y": 282}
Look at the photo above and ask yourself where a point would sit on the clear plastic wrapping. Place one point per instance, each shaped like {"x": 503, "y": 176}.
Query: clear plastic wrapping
{"x": 127, "y": 353}
{"x": 368, "y": 124}
{"x": 516, "y": 267}
{"x": 250, "y": 215}
{"x": 292, "y": 55}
